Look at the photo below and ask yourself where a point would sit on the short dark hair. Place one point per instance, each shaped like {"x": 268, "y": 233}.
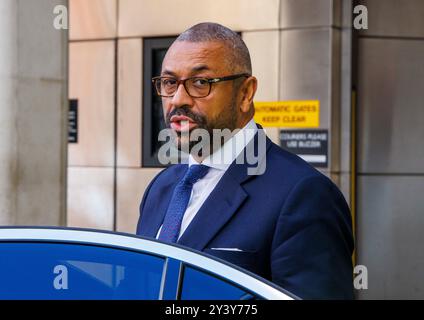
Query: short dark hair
{"x": 239, "y": 59}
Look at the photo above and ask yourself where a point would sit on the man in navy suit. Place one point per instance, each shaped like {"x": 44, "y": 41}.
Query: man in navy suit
{"x": 283, "y": 220}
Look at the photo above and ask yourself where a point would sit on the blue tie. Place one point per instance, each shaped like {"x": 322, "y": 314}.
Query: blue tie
{"x": 179, "y": 201}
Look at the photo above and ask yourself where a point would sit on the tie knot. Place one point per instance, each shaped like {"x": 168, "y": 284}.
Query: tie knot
{"x": 195, "y": 172}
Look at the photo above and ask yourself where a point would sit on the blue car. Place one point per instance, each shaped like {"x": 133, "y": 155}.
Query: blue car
{"x": 66, "y": 263}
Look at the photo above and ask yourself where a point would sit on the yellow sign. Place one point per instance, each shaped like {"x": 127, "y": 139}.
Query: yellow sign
{"x": 289, "y": 114}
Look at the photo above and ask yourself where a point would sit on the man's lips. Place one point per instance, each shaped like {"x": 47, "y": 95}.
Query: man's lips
{"x": 182, "y": 123}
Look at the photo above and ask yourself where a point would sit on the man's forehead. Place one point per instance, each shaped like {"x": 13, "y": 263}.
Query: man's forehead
{"x": 200, "y": 47}
{"x": 195, "y": 56}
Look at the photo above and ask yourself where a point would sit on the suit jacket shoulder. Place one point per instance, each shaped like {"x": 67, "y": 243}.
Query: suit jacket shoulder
{"x": 166, "y": 177}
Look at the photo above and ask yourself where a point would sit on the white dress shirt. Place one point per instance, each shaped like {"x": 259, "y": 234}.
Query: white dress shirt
{"x": 218, "y": 163}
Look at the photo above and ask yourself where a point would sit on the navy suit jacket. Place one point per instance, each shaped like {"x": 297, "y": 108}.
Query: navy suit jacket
{"x": 292, "y": 223}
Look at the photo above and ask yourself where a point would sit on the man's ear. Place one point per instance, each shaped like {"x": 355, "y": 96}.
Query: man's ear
{"x": 247, "y": 93}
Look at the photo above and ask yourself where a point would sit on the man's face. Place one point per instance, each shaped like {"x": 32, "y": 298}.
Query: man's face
{"x": 218, "y": 110}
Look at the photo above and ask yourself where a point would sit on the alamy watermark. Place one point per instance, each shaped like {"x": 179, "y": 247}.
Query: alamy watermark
{"x": 60, "y": 282}
{"x": 360, "y": 20}
{"x": 222, "y": 146}
{"x": 360, "y": 280}
{"x": 60, "y": 21}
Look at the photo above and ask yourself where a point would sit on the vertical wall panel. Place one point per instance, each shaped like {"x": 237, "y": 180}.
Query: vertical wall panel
{"x": 131, "y": 186}
{"x": 390, "y": 236}
{"x": 92, "y": 19}
{"x": 129, "y": 102}
{"x": 390, "y": 106}
{"x": 395, "y": 18}
{"x": 90, "y": 198}
{"x": 91, "y": 81}
{"x": 264, "y": 52}
{"x": 310, "y": 13}
{"x": 391, "y": 150}
{"x": 146, "y": 17}
{"x": 33, "y": 111}
{"x": 306, "y": 68}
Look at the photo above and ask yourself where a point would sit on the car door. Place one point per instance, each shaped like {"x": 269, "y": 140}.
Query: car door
{"x": 60, "y": 263}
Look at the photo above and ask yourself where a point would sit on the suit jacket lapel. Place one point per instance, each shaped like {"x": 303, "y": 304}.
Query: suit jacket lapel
{"x": 215, "y": 212}
{"x": 153, "y": 216}
{"x": 221, "y": 204}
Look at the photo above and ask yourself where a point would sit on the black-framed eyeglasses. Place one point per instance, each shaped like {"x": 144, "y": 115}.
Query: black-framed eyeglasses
{"x": 196, "y": 87}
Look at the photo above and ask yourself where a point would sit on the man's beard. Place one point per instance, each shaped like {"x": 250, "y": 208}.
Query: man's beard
{"x": 225, "y": 120}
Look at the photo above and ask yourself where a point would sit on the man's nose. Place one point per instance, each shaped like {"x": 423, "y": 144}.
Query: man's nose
{"x": 181, "y": 97}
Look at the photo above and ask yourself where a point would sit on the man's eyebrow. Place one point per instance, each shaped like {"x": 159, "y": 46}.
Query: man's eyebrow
{"x": 168, "y": 73}
{"x": 196, "y": 69}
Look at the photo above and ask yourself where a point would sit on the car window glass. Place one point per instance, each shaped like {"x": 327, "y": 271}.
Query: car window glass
{"x": 73, "y": 271}
{"x": 198, "y": 284}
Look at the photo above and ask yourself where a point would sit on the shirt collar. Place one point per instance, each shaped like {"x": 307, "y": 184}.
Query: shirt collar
{"x": 222, "y": 158}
